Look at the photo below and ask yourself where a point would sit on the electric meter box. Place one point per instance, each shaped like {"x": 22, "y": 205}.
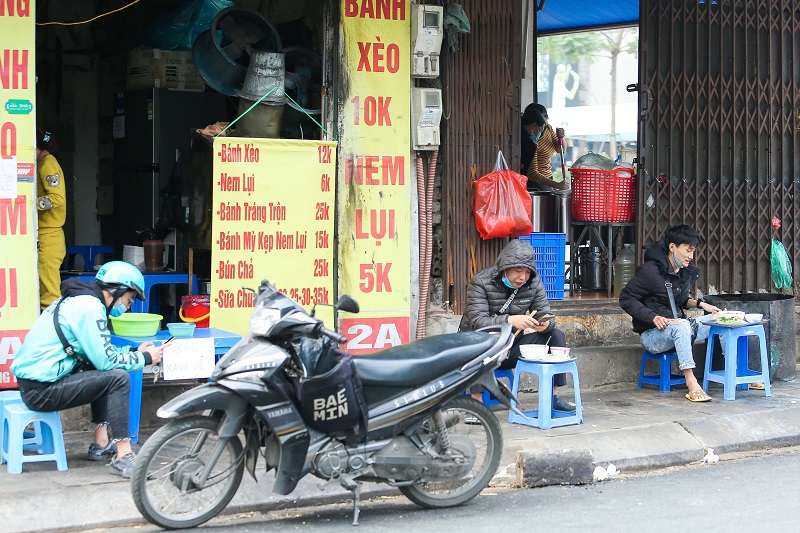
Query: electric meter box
{"x": 426, "y": 114}
{"x": 426, "y": 40}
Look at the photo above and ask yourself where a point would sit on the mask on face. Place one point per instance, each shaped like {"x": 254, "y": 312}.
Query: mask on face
{"x": 118, "y": 309}
{"x": 536, "y": 137}
{"x": 507, "y": 283}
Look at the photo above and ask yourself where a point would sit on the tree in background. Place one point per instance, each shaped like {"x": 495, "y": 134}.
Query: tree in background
{"x": 588, "y": 47}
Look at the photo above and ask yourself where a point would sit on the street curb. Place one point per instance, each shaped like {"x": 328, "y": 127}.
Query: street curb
{"x": 728, "y": 434}
{"x": 101, "y": 522}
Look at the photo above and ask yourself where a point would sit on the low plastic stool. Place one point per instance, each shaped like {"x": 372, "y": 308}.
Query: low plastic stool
{"x": 135, "y": 405}
{"x": 89, "y": 254}
{"x": 488, "y": 399}
{"x": 665, "y": 379}
{"x": 16, "y": 417}
{"x": 736, "y": 372}
{"x": 546, "y": 417}
{"x": 31, "y": 440}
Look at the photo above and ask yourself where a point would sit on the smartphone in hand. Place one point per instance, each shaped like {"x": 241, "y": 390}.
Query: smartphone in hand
{"x": 543, "y": 316}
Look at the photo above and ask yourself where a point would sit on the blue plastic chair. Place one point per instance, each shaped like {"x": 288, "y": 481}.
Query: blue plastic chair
{"x": 488, "y": 399}
{"x": 665, "y": 379}
{"x": 16, "y": 417}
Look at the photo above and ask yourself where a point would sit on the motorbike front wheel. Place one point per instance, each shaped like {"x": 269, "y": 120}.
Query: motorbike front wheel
{"x": 166, "y": 483}
{"x": 467, "y": 420}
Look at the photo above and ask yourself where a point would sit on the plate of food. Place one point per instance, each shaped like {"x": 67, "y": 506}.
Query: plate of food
{"x": 731, "y": 318}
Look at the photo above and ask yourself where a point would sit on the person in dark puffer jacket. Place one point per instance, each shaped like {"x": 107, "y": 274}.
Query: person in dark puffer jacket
{"x": 645, "y": 298}
{"x": 487, "y": 294}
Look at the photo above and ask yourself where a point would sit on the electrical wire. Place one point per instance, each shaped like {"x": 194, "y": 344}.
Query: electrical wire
{"x": 87, "y": 21}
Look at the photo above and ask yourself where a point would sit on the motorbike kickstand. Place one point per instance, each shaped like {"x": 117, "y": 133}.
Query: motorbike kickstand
{"x": 356, "y": 497}
{"x": 354, "y": 486}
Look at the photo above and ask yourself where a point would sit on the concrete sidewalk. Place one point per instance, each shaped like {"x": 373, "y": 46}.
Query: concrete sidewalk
{"x": 636, "y": 429}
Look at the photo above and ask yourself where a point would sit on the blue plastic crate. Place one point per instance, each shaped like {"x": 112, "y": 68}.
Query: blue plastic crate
{"x": 549, "y": 251}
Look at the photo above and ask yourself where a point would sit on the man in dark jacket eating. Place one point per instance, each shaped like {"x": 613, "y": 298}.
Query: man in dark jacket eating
{"x": 512, "y": 292}
{"x": 661, "y": 323}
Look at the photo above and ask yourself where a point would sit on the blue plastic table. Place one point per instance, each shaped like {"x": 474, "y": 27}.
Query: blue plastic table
{"x": 736, "y": 373}
{"x": 223, "y": 341}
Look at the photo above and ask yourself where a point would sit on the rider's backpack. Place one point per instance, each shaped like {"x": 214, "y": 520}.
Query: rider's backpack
{"x": 331, "y": 399}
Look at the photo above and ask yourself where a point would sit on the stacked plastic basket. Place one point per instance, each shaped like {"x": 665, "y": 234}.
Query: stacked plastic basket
{"x": 603, "y": 195}
{"x": 549, "y": 252}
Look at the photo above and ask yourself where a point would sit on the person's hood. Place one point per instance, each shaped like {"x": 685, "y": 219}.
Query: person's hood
{"x": 655, "y": 251}
{"x": 517, "y": 253}
{"x": 76, "y": 287}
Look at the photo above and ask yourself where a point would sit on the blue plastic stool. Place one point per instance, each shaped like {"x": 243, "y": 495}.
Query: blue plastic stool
{"x": 135, "y": 405}
{"x": 32, "y": 440}
{"x": 16, "y": 417}
{"x": 736, "y": 372}
{"x": 665, "y": 379}
{"x": 546, "y": 417}
{"x": 88, "y": 253}
{"x": 488, "y": 399}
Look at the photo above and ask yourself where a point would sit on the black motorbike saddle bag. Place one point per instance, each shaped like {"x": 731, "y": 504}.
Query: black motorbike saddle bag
{"x": 331, "y": 399}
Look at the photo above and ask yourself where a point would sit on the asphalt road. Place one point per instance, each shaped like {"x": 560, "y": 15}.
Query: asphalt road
{"x": 746, "y": 492}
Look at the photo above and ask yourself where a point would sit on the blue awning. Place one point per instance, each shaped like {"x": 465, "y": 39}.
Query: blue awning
{"x": 572, "y": 15}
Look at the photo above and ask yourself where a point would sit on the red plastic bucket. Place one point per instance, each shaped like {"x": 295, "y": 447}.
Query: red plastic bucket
{"x": 196, "y": 308}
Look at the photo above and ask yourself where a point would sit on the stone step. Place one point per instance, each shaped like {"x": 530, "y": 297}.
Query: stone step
{"x": 584, "y": 322}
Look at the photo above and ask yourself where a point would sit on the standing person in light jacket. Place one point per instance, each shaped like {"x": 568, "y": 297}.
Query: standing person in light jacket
{"x": 490, "y": 302}
{"x": 645, "y": 298}
{"x": 95, "y": 372}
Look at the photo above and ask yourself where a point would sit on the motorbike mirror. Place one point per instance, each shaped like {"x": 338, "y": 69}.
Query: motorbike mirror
{"x": 347, "y": 304}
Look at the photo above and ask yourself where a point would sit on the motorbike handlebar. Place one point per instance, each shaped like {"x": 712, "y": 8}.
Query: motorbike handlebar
{"x": 338, "y": 339}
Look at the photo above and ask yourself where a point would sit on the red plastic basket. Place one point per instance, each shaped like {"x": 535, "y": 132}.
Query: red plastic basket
{"x": 603, "y": 195}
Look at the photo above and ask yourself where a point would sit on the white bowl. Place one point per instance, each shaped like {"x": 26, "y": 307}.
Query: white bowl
{"x": 732, "y": 314}
{"x": 559, "y": 352}
{"x": 533, "y": 351}
{"x": 753, "y": 317}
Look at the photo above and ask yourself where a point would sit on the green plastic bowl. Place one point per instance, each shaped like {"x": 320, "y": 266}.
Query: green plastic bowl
{"x": 136, "y": 324}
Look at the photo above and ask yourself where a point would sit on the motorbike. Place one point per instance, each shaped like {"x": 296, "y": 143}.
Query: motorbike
{"x": 418, "y": 432}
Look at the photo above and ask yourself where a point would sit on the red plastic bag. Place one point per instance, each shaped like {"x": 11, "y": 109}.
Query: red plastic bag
{"x": 502, "y": 203}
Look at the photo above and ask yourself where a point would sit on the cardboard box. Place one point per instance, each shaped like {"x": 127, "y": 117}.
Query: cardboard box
{"x": 163, "y": 69}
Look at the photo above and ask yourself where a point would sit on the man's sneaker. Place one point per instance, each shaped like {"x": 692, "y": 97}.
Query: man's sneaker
{"x": 122, "y": 466}
{"x": 101, "y": 453}
{"x": 561, "y": 405}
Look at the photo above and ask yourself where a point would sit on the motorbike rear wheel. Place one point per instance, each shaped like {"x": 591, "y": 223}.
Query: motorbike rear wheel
{"x": 164, "y": 479}
{"x": 486, "y": 439}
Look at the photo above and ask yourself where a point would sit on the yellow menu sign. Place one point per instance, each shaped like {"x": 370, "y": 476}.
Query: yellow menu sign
{"x": 19, "y": 282}
{"x": 374, "y": 190}
{"x": 272, "y": 218}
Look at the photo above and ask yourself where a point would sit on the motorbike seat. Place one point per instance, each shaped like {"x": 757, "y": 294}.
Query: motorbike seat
{"x": 419, "y": 362}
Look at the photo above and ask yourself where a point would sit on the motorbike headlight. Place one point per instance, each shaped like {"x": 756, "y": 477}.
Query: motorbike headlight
{"x": 263, "y": 319}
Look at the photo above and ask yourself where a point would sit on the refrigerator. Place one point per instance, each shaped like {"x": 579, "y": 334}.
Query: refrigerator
{"x": 150, "y": 128}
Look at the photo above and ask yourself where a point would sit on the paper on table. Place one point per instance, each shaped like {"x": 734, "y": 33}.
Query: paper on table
{"x": 8, "y": 178}
{"x": 188, "y": 359}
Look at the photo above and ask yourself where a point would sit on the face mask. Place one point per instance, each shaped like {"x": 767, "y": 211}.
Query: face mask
{"x": 507, "y": 283}
{"x": 536, "y": 137}
{"x": 118, "y": 309}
